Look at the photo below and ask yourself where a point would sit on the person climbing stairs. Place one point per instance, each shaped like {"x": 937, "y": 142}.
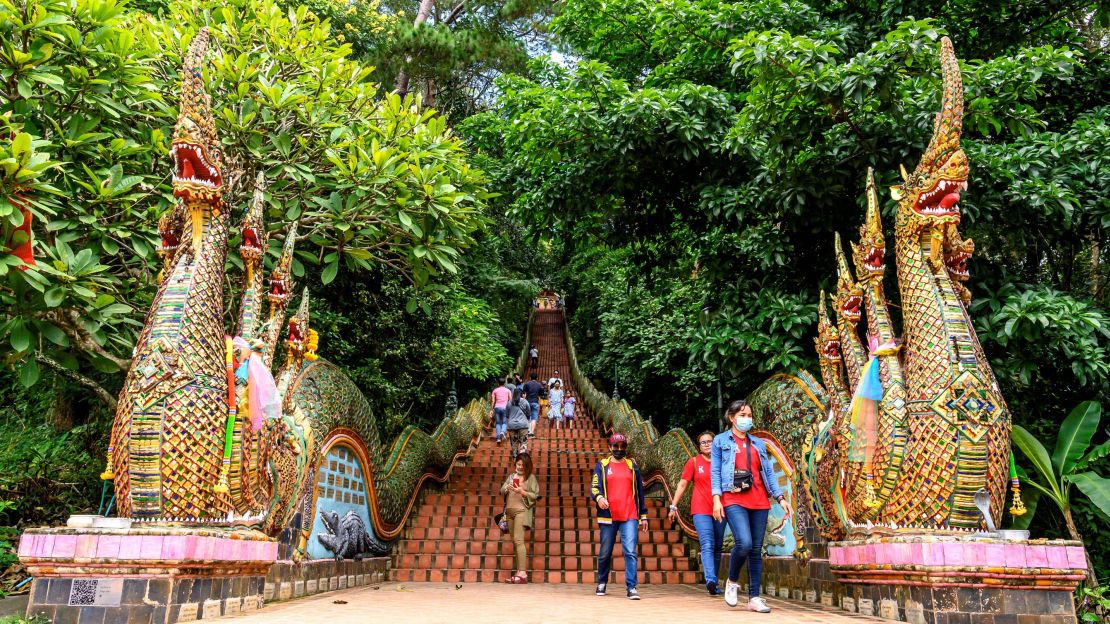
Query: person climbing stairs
{"x": 452, "y": 538}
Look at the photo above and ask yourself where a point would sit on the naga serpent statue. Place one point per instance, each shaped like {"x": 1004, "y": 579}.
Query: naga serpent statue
{"x": 941, "y": 429}
{"x": 188, "y": 447}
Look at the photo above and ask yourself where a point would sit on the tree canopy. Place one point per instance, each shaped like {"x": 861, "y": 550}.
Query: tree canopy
{"x": 694, "y": 160}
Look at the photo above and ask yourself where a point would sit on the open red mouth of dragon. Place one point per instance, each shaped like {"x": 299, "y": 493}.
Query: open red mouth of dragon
{"x": 194, "y": 173}
{"x": 943, "y": 200}
{"x": 874, "y": 259}
{"x": 170, "y": 242}
{"x": 832, "y": 350}
{"x": 296, "y": 336}
{"x": 850, "y": 308}
{"x": 250, "y": 246}
{"x": 957, "y": 264}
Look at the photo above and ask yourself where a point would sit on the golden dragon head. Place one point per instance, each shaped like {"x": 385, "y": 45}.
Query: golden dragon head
{"x": 870, "y": 253}
{"x": 298, "y": 331}
{"x": 849, "y": 293}
{"x": 170, "y": 227}
{"x": 253, "y": 233}
{"x": 197, "y": 160}
{"x": 281, "y": 280}
{"x": 828, "y": 336}
{"x": 957, "y": 251}
{"x": 931, "y": 194}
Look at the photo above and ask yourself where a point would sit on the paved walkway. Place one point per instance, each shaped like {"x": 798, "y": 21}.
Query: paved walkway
{"x": 412, "y": 603}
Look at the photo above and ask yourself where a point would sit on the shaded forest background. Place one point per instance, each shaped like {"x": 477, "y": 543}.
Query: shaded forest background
{"x": 676, "y": 168}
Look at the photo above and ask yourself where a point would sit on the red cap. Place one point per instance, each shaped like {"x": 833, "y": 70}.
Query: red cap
{"x": 617, "y": 438}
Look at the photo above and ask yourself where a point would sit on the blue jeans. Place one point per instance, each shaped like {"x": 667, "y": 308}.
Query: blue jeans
{"x": 630, "y": 531}
{"x": 535, "y": 410}
{"x": 499, "y": 421}
{"x": 747, "y": 527}
{"x": 711, "y": 534}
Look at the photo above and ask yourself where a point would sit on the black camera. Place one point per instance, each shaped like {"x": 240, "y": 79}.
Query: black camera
{"x": 742, "y": 480}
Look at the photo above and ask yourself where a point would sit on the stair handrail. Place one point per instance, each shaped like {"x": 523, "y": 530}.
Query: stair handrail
{"x": 660, "y": 458}
{"x": 434, "y": 456}
{"x": 522, "y": 357}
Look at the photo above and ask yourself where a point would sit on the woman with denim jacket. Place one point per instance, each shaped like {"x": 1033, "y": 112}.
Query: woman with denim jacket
{"x": 743, "y": 484}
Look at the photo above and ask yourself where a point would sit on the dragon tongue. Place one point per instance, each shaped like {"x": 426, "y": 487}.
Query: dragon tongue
{"x": 949, "y": 200}
{"x": 187, "y": 168}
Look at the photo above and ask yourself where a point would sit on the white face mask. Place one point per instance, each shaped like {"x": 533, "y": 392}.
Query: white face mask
{"x": 744, "y": 423}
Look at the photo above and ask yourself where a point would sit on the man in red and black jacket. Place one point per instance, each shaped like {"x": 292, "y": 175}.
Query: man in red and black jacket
{"x": 618, "y": 491}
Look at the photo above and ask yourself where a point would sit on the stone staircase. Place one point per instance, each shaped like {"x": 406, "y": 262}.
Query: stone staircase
{"x": 451, "y": 536}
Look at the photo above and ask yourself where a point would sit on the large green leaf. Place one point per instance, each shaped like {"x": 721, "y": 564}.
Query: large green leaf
{"x": 1075, "y": 435}
{"x": 1037, "y": 454}
{"x": 1096, "y": 488}
{"x": 1097, "y": 453}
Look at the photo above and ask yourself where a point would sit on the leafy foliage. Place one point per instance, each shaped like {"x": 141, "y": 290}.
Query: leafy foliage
{"x": 374, "y": 182}
{"x": 706, "y": 152}
{"x": 1056, "y": 474}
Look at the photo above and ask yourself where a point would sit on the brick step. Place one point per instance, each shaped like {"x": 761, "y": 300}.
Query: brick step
{"x": 410, "y": 575}
{"x": 491, "y": 533}
{"x": 492, "y": 496}
{"x": 543, "y": 461}
{"x": 542, "y": 522}
{"x": 502, "y": 546}
{"x": 538, "y": 562}
{"x": 559, "y": 507}
{"x": 493, "y": 486}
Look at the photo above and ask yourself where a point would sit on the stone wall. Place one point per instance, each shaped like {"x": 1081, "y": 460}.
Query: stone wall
{"x": 287, "y": 580}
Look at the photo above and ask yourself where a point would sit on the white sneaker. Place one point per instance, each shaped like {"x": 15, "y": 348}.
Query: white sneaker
{"x": 732, "y": 591}
{"x": 758, "y": 604}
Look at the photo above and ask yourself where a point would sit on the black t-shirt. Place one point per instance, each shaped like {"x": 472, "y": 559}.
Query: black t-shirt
{"x": 532, "y": 389}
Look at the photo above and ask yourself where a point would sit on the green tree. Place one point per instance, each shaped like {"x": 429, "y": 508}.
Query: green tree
{"x": 373, "y": 181}
{"x": 1071, "y": 463}
{"x": 718, "y": 146}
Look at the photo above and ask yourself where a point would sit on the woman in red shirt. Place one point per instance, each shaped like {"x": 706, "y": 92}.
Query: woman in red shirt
{"x": 743, "y": 485}
{"x": 710, "y": 530}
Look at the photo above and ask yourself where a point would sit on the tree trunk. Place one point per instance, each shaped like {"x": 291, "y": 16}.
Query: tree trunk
{"x": 1073, "y": 532}
{"x": 422, "y": 15}
{"x": 60, "y": 416}
{"x": 1096, "y": 251}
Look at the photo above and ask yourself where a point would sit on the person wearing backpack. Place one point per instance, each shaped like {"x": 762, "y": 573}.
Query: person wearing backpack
{"x": 517, "y": 424}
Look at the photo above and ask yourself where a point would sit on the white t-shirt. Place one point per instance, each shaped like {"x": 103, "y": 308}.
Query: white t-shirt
{"x": 551, "y": 382}
{"x": 534, "y": 353}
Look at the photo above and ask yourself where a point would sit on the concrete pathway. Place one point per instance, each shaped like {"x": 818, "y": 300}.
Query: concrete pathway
{"x": 412, "y": 603}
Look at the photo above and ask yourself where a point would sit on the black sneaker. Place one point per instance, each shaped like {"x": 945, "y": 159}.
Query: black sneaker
{"x": 600, "y": 589}
{"x": 713, "y": 589}
{"x": 633, "y": 594}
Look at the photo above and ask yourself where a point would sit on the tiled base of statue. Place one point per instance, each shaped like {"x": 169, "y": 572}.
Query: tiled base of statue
{"x": 939, "y": 579}
{"x": 149, "y": 575}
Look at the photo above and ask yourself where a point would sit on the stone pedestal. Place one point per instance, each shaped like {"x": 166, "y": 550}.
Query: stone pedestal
{"x": 147, "y": 575}
{"x": 288, "y": 579}
{"x": 960, "y": 579}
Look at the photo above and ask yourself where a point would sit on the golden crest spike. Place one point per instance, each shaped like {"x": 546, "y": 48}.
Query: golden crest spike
{"x": 874, "y": 218}
{"x": 902, "y": 170}
{"x": 842, "y": 266}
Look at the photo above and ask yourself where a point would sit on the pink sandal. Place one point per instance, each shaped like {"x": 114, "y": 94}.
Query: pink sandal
{"x": 517, "y": 580}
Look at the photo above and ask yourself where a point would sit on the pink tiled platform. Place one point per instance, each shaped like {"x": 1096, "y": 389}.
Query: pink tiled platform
{"x": 959, "y": 561}
{"x": 143, "y": 548}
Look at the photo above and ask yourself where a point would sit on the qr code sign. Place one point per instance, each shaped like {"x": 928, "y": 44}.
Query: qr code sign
{"x": 105, "y": 592}
{"x": 83, "y": 592}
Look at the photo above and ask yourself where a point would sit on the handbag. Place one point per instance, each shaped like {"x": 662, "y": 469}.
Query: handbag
{"x": 742, "y": 478}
